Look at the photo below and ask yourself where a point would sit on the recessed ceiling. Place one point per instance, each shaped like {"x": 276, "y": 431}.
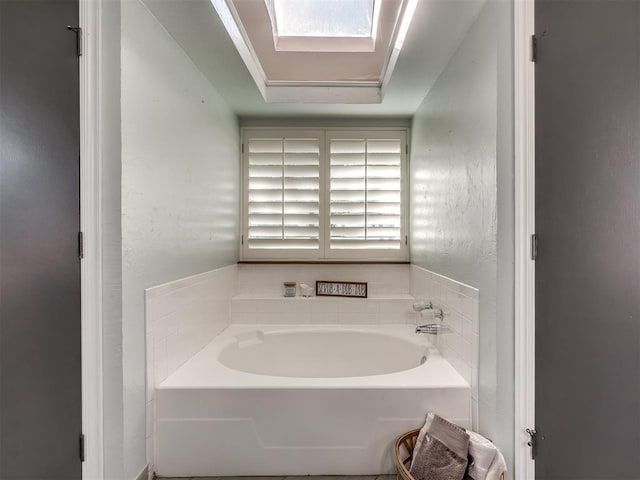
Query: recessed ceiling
{"x": 318, "y": 51}
{"x": 437, "y": 29}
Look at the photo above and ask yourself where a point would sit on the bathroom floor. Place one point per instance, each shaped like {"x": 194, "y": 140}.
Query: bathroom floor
{"x": 318, "y": 477}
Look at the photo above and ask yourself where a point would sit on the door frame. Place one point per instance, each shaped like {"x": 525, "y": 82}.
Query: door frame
{"x": 91, "y": 226}
{"x": 91, "y": 221}
{"x": 524, "y": 140}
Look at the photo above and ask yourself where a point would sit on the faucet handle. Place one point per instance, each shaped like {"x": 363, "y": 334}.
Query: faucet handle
{"x": 422, "y": 305}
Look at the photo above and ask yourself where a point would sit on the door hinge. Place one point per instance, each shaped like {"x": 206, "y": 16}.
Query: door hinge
{"x": 81, "y": 447}
{"x": 406, "y": 240}
{"x": 534, "y": 49}
{"x": 533, "y": 442}
{"x": 534, "y": 247}
{"x": 241, "y": 239}
{"x": 80, "y": 245}
{"x": 242, "y": 147}
{"x": 406, "y": 149}
{"x": 78, "y": 32}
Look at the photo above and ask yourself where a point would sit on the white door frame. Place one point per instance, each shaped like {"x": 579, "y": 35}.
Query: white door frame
{"x": 91, "y": 221}
{"x": 91, "y": 226}
{"x": 524, "y": 128}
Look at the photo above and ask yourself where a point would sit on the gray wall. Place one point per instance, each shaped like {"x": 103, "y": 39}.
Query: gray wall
{"x": 180, "y": 190}
{"x": 462, "y": 196}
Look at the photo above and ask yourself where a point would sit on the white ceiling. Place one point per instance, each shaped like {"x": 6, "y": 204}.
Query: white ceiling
{"x": 438, "y": 27}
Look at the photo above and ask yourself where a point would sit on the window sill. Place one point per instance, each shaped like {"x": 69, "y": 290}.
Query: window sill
{"x": 325, "y": 262}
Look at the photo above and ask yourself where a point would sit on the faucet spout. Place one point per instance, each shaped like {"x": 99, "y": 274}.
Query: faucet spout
{"x": 432, "y": 328}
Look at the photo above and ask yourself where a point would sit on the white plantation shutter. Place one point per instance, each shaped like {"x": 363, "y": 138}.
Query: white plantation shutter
{"x": 315, "y": 194}
{"x": 283, "y": 193}
{"x": 366, "y": 198}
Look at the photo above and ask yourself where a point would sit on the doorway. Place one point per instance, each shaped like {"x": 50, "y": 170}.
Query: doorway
{"x": 587, "y": 269}
{"x": 40, "y": 307}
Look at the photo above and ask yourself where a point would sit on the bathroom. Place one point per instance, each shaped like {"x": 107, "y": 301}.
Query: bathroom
{"x": 291, "y": 248}
{"x": 189, "y": 279}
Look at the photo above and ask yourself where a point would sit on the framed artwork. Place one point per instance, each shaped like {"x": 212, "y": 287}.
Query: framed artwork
{"x": 341, "y": 289}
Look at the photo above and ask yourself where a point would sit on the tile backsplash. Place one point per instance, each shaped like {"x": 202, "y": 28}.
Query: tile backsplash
{"x": 461, "y": 305}
{"x": 267, "y": 279}
{"x": 260, "y": 299}
{"x": 181, "y": 318}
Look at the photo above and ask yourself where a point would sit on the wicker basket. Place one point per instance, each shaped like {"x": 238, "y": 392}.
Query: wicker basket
{"x": 403, "y": 454}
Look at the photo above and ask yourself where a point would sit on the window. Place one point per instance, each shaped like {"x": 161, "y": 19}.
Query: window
{"x": 323, "y": 18}
{"x": 324, "y": 194}
{"x": 324, "y": 25}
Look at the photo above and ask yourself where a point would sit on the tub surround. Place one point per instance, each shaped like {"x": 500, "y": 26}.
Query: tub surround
{"x": 293, "y": 425}
{"x": 187, "y": 320}
{"x": 461, "y": 304}
{"x": 181, "y": 318}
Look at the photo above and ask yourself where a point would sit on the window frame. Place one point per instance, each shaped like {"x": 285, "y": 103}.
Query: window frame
{"x": 324, "y": 253}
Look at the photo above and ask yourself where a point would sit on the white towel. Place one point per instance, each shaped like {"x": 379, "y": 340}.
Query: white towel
{"x": 487, "y": 463}
{"x": 421, "y": 434}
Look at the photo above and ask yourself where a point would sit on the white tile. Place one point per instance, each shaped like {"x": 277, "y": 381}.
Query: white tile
{"x": 326, "y": 305}
{"x": 463, "y": 369}
{"x": 358, "y": 306}
{"x": 160, "y": 361}
{"x": 474, "y": 383}
{"x": 454, "y": 321}
{"x": 150, "y": 379}
{"x": 358, "y": 318}
{"x": 150, "y": 451}
{"x": 475, "y": 320}
{"x": 467, "y": 329}
{"x": 177, "y": 351}
{"x": 396, "y": 306}
{"x": 331, "y": 319}
{"x": 475, "y": 354}
{"x": 150, "y": 417}
{"x": 475, "y": 415}
{"x": 172, "y": 323}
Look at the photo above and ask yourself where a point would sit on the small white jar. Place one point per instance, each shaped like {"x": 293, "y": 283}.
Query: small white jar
{"x": 289, "y": 289}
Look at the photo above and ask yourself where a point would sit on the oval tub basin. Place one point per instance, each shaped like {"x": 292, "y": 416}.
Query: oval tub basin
{"x": 322, "y": 353}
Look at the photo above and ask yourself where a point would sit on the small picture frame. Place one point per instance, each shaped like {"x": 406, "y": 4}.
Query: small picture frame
{"x": 326, "y": 288}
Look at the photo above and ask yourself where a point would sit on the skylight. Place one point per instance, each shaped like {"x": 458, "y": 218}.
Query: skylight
{"x": 323, "y": 18}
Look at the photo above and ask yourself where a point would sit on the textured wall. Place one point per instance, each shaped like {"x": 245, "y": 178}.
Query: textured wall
{"x": 454, "y": 207}
{"x": 180, "y": 189}
{"x": 111, "y": 241}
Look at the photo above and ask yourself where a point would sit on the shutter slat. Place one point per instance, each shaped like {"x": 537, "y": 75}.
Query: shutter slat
{"x": 279, "y": 244}
{"x": 357, "y": 244}
{"x": 365, "y": 193}
{"x": 283, "y": 193}
{"x": 265, "y": 158}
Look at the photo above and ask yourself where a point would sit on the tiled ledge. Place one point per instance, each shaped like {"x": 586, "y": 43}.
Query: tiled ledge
{"x": 271, "y": 309}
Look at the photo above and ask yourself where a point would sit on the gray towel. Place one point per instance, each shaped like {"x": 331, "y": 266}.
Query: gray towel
{"x": 442, "y": 454}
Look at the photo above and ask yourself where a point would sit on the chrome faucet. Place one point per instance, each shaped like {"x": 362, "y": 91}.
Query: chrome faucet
{"x": 430, "y": 328}
{"x": 434, "y": 328}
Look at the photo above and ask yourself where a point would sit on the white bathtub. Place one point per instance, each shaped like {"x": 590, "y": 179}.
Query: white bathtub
{"x": 301, "y": 400}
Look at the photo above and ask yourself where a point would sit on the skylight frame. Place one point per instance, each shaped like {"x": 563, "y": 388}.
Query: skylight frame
{"x": 327, "y": 92}
{"x": 307, "y": 43}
